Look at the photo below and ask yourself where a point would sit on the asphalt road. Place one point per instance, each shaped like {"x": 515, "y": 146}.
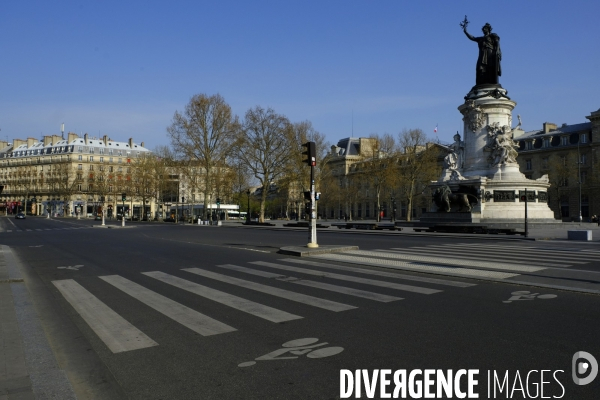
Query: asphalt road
{"x": 164, "y": 311}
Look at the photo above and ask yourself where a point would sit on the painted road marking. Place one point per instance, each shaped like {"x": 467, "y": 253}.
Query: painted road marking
{"x": 445, "y": 261}
{"x": 118, "y": 334}
{"x": 248, "y": 306}
{"x": 286, "y": 294}
{"x": 488, "y": 256}
{"x": 366, "y": 281}
{"x": 419, "y": 267}
{"x": 192, "y": 319}
{"x": 380, "y": 273}
{"x": 319, "y": 285}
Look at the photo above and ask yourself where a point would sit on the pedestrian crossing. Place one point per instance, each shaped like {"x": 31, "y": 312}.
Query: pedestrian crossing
{"x": 279, "y": 280}
{"x": 488, "y": 261}
{"x": 335, "y": 282}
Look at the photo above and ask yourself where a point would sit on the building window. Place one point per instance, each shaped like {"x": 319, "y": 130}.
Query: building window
{"x": 80, "y": 149}
{"x": 583, "y": 159}
{"x": 120, "y": 161}
{"x": 91, "y": 158}
{"x": 528, "y": 164}
{"x": 546, "y": 142}
{"x": 528, "y": 145}
{"x": 101, "y": 150}
{"x": 91, "y": 150}
{"x": 80, "y": 157}
{"x": 79, "y": 187}
{"x": 110, "y": 159}
{"x": 583, "y": 176}
{"x": 583, "y": 138}
{"x": 564, "y": 140}
{"x": 101, "y": 159}
{"x": 79, "y": 166}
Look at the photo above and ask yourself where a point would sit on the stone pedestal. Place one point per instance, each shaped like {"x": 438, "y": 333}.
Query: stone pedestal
{"x": 489, "y": 173}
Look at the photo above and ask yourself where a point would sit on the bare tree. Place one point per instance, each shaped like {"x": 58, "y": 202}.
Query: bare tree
{"x": 417, "y": 166}
{"x": 378, "y": 167}
{"x": 205, "y": 132}
{"x": 263, "y": 148}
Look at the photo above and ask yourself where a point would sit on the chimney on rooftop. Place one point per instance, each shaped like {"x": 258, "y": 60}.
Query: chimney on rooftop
{"x": 549, "y": 127}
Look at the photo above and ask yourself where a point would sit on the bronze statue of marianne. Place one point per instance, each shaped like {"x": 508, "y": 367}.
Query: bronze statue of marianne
{"x": 488, "y": 63}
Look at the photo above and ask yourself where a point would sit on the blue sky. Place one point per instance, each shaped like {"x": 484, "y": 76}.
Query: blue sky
{"x": 122, "y": 68}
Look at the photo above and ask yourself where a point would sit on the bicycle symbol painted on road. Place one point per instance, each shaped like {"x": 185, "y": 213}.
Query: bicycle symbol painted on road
{"x": 298, "y": 347}
{"x": 526, "y": 295}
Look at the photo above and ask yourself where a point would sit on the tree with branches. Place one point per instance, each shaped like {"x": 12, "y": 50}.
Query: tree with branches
{"x": 205, "y": 133}
{"x": 263, "y": 148}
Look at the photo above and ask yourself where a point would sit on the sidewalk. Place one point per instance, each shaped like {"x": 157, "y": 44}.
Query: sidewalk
{"x": 28, "y": 368}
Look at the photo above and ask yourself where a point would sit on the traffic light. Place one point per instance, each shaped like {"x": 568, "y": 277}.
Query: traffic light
{"x": 124, "y": 196}
{"x": 218, "y": 201}
{"x": 317, "y": 195}
{"x": 309, "y": 150}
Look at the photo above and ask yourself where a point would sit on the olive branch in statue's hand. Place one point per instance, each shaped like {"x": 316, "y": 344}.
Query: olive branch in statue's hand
{"x": 464, "y": 23}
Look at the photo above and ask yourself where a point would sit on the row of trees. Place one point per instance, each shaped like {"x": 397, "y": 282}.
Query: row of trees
{"x": 266, "y": 148}
{"x": 389, "y": 167}
{"x": 231, "y": 155}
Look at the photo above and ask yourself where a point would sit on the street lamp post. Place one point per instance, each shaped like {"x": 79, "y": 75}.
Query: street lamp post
{"x": 579, "y": 178}
{"x": 248, "y": 209}
{"x": 182, "y": 217}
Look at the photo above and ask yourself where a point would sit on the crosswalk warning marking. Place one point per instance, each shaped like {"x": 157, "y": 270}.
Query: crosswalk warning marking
{"x": 380, "y": 273}
{"x": 419, "y": 267}
{"x": 118, "y": 334}
{"x": 319, "y": 285}
{"x": 515, "y": 252}
{"x": 286, "y": 294}
{"x": 187, "y": 317}
{"x": 545, "y": 250}
{"x": 248, "y": 306}
{"x": 366, "y": 281}
{"x": 446, "y": 261}
{"x": 486, "y": 255}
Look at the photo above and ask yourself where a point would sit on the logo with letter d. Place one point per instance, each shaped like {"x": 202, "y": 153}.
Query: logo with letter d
{"x": 580, "y": 367}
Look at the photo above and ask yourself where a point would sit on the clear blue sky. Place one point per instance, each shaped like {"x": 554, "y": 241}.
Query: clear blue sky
{"x": 122, "y": 68}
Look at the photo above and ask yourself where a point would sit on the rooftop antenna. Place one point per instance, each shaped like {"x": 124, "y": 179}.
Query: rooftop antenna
{"x": 62, "y": 130}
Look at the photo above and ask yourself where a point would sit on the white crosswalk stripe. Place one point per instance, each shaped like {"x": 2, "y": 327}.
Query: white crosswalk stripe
{"x": 445, "y": 282}
{"x": 118, "y": 334}
{"x": 570, "y": 255}
{"x": 319, "y": 285}
{"x": 540, "y": 260}
{"x": 192, "y": 319}
{"x": 446, "y": 261}
{"x": 418, "y": 267}
{"x": 366, "y": 281}
{"x": 251, "y": 307}
{"x": 286, "y": 294}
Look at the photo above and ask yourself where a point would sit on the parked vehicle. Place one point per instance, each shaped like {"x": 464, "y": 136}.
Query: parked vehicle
{"x": 20, "y": 216}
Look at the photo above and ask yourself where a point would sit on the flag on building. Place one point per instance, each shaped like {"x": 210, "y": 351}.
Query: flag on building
{"x": 435, "y": 130}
